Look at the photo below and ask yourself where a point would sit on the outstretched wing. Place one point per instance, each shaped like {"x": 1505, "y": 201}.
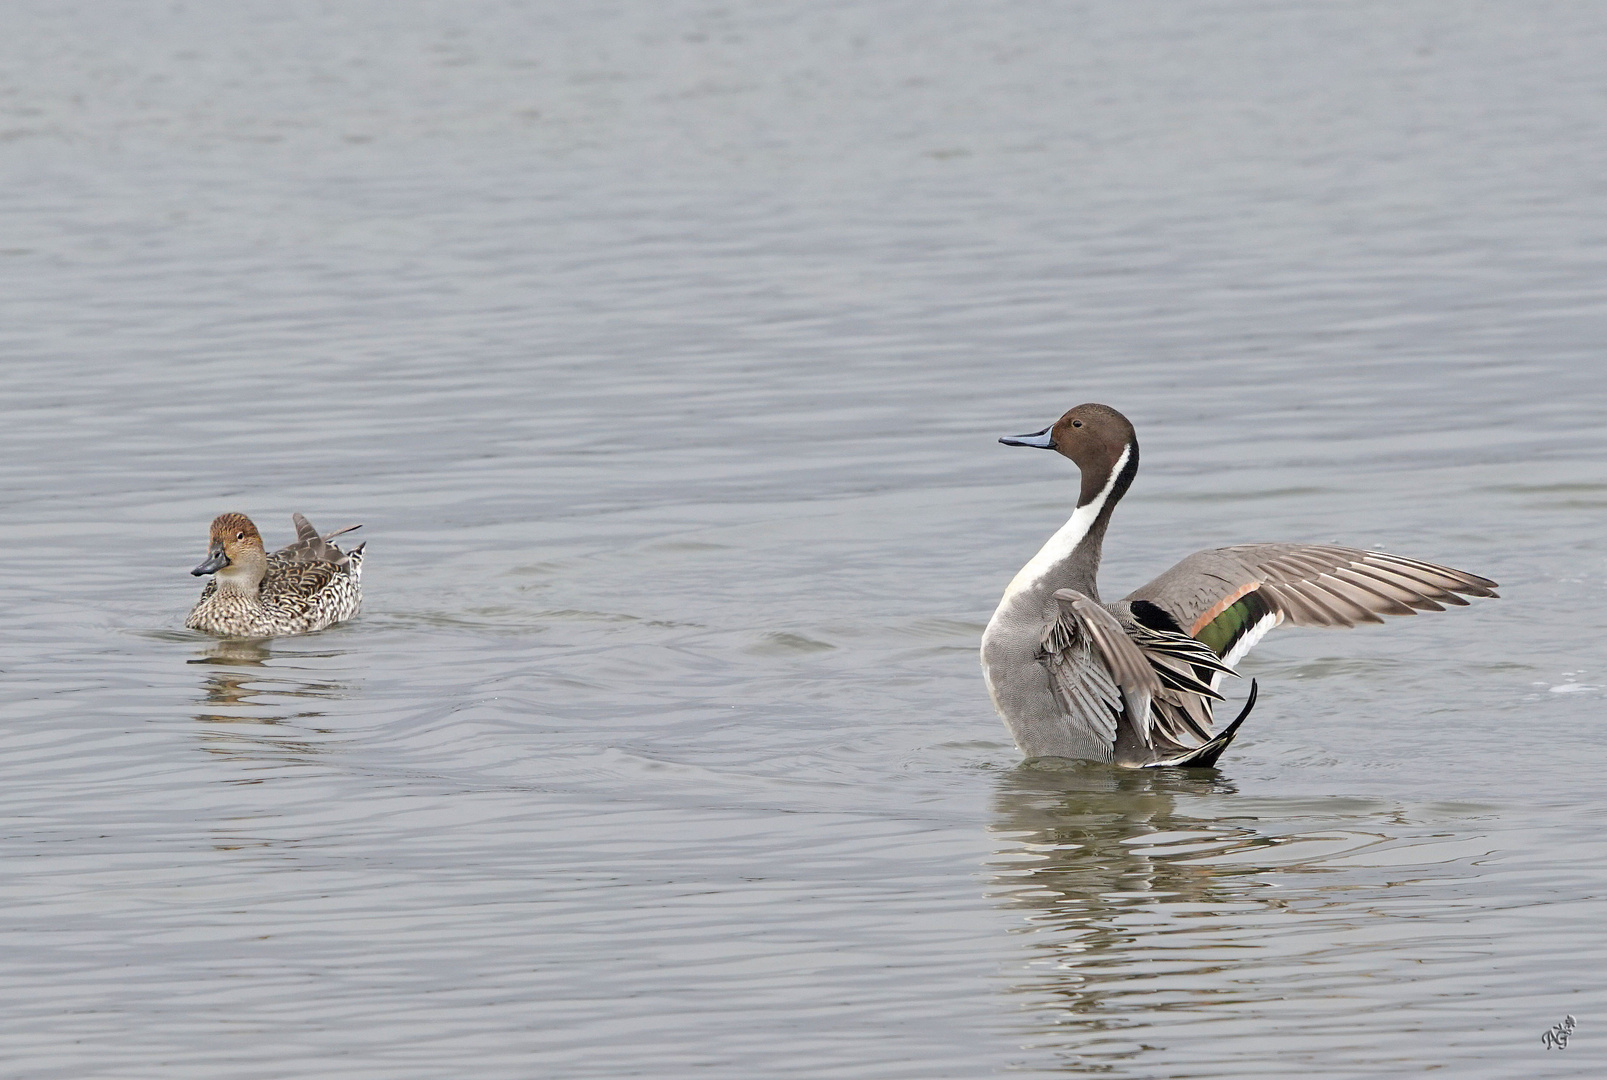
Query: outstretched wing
{"x": 1230, "y": 597}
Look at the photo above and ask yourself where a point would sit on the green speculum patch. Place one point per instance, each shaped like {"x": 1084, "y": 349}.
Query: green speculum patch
{"x": 1227, "y": 628}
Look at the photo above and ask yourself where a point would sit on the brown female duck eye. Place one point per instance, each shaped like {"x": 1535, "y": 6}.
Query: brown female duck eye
{"x": 239, "y": 536}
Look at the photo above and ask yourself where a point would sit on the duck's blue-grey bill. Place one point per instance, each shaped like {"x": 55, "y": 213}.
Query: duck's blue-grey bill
{"x": 1040, "y": 439}
{"x": 215, "y": 561}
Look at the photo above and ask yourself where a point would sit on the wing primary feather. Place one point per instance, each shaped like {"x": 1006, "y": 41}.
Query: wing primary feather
{"x": 1435, "y": 578}
{"x": 1444, "y": 576}
{"x": 1338, "y": 592}
{"x": 1314, "y": 596}
{"x": 1296, "y": 607}
{"x": 1383, "y": 601}
{"x": 1424, "y": 590}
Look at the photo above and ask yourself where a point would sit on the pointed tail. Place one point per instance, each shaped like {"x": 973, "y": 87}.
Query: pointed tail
{"x": 1204, "y": 757}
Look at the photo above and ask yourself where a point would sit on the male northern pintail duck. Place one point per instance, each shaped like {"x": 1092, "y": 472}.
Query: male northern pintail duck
{"x": 1134, "y": 682}
{"x": 307, "y": 586}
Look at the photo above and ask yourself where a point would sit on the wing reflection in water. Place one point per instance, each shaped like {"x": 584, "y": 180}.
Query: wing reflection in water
{"x": 1122, "y": 925}
{"x": 250, "y": 696}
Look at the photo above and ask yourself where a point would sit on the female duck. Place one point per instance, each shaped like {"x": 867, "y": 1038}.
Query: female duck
{"x": 307, "y": 586}
{"x": 1134, "y": 682}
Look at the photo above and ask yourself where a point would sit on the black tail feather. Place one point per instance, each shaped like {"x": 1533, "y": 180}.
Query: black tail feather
{"x": 1204, "y": 757}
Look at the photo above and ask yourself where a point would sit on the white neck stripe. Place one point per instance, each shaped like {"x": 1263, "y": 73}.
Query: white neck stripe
{"x": 1068, "y": 536}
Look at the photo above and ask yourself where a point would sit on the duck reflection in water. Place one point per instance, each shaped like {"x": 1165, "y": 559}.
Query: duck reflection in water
{"x": 1098, "y": 865}
{"x": 246, "y": 693}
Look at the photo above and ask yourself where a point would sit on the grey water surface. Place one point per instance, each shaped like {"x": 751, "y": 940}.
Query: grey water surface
{"x": 661, "y": 349}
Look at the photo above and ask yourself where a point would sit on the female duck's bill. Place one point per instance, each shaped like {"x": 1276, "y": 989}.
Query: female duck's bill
{"x": 1135, "y": 682}
{"x": 304, "y": 586}
{"x": 216, "y": 559}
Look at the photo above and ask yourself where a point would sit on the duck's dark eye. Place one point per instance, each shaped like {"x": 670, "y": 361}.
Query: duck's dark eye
{"x": 239, "y": 536}
{"x": 1076, "y": 423}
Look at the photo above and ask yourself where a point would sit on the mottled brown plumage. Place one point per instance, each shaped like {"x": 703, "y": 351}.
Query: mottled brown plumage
{"x": 302, "y": 587}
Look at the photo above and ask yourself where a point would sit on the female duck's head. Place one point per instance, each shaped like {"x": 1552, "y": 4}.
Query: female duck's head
{"x": 235, "y": 554}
